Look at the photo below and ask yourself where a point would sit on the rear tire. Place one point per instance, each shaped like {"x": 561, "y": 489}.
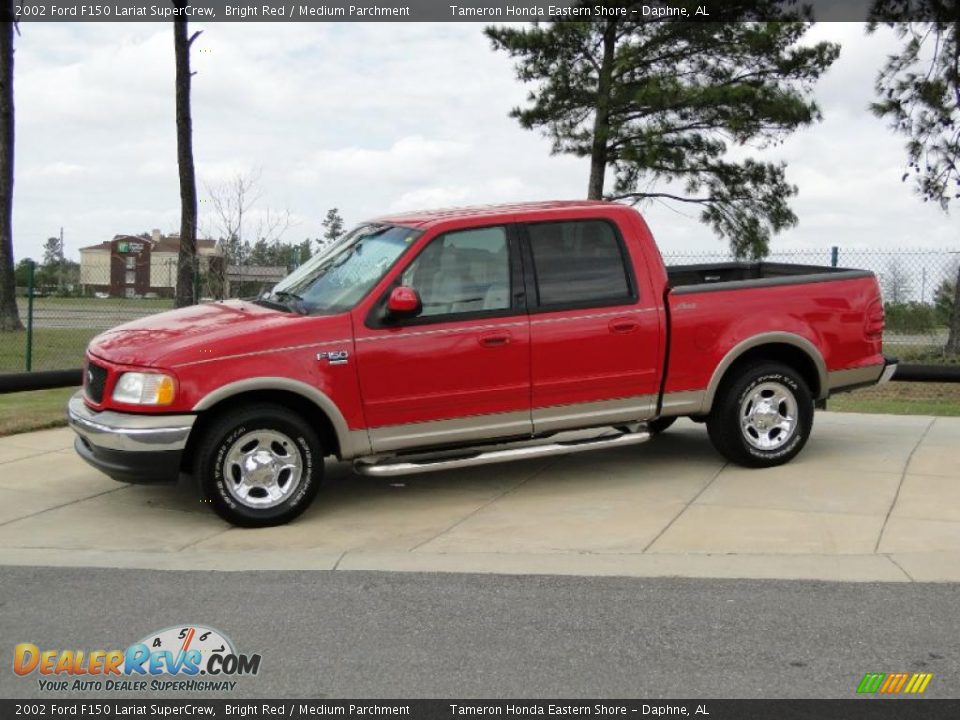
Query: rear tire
{"x": 762, "y": 416}
{"x": 259, "y": 465}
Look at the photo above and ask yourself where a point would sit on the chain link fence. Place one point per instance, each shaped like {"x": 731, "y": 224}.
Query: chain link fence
{"x": 917, "y": 286}
{"x": 63, "y": 311}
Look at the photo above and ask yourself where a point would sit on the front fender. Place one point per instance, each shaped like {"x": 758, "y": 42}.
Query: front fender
{"x": 353, "y": 443}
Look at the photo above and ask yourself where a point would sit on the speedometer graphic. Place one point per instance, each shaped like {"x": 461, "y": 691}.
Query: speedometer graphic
{"x": 180, "y": 639}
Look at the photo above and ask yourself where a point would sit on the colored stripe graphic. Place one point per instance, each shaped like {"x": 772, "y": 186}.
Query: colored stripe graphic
{"x": 922, "y": 683}
{"x": 894, "y": 683}
{"x": 871, "y": 682}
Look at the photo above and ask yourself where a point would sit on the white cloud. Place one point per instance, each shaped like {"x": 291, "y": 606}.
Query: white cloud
{"x": 407, "y": 160}
{"x": 501, "y": 189}
{"x": 374, "y": 118}
{"x": 58, "y": 170}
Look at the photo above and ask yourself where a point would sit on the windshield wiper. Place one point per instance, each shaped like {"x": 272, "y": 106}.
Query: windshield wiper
{"x": 287, "y": 293}
{"x": 292, "y": 296}
{"x": 273, "y": 304}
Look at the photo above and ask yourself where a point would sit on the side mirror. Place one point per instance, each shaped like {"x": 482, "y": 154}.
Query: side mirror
{"x": 404, "y": 302}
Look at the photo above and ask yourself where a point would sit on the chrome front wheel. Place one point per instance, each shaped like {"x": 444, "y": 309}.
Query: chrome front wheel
{"x": 262, "y": 468}
{"x": 259, "y": 464}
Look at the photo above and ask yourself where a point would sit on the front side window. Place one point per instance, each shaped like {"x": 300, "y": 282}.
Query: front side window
{"x": 578, "y": 262}
{"x": 462, "y": 272}
{"x": 338, "y": 278}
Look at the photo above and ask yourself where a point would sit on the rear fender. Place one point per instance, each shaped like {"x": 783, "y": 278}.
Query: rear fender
{"x": 769, "y": 338}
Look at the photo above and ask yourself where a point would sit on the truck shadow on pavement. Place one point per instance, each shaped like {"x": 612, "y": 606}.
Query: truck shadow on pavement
{"x": 608, "y": 499}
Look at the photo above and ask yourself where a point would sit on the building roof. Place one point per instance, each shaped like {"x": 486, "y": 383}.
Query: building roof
{"x": 256, "y": 272}
{"x": 422, "y": 218}
{"x": 172, "y": 244}
{"x": 168, "y": 243}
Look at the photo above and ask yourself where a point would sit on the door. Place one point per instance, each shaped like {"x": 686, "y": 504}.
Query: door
{"x": 459, "y": 371}
{"x": 594, "y": 333}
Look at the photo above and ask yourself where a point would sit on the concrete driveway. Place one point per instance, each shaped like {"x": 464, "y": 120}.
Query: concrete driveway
{"x": 871, "y": 498}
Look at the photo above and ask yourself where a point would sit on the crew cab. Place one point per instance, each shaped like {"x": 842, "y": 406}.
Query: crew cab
{"x": 442, "y": 339}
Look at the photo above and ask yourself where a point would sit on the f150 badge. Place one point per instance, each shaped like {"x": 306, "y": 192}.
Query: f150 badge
{"x": 334, "y": 357}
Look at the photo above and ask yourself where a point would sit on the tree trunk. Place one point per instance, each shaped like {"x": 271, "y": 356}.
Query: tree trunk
{"x": 186, "y": 263}
{"x": 601, "y": 121}
{"x": 953, "y": 340}
{"x": 9, "y": 316}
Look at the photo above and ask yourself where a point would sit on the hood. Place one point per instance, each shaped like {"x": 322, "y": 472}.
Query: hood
{"x": 200, "y": 331}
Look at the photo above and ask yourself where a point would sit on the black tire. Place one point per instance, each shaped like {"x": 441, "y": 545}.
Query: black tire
{"x": 277, "y": 436}
{"x": 655, "y": 427}
{"x": 742, "y": 395}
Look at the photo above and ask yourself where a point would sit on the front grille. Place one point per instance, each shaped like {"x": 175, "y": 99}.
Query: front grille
{"x": 94, "y": 381}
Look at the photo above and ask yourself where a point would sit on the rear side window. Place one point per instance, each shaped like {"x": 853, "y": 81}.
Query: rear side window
{"x": 578, "y": 262}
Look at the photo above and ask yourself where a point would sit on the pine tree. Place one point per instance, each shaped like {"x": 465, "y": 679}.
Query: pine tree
{"x": 332, "y": 228}
{"x": 918, "y": 92}
{"x": 661, "y": 102}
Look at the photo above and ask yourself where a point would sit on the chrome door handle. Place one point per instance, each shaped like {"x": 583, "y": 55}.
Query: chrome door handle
{"x": 494, "y": 340}
{"x": 623, "y": 326}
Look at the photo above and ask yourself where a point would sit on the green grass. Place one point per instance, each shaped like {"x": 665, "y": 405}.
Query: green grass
{"x": 921, "y": 355}
{"x": 53, "y": 349}
{"x": 893, "y": 407}
{"x": 150, "y": 304}
{"x": 901, "y": 398}
{"x": 35, "y": 410}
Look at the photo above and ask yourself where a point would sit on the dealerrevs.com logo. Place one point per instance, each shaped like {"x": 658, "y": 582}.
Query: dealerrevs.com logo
{"x": 180, "y": 658}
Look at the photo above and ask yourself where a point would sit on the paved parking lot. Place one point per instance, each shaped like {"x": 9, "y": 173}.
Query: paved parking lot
{"x": 871, "y": 498}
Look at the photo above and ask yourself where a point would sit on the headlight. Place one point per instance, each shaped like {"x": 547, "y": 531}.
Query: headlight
{"x": 144, "y": 389}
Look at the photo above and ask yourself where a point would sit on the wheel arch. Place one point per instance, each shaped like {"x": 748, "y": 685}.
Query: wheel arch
{"x": 314, "y": 405}
{"x": 791, "y": 349}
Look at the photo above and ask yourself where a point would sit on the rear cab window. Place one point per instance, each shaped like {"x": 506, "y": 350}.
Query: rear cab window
{"x": 579, "y": 263}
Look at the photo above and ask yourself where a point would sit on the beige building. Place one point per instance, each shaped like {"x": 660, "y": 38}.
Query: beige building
{"x": 137, "y": 265}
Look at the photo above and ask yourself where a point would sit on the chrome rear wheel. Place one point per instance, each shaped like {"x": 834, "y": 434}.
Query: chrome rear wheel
{"x": 762, "y": 414}
{"x": 768, "y": 416}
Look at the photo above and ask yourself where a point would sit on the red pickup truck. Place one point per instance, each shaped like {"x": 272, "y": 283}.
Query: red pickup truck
{"x": 442, "y": 339}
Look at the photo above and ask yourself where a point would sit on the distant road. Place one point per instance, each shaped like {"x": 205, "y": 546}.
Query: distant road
{"x": 89, "y": 313}
{"x": 351, "y": 634}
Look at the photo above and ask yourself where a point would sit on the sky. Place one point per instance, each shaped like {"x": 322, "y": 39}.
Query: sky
{"x": 374, "y": 118}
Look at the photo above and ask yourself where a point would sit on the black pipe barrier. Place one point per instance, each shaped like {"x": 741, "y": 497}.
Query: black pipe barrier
{"x": 44, "y": 380}
{"x": 927, "y": 373}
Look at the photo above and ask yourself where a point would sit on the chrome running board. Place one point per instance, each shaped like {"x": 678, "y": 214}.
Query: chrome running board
{"x": 391, "y": 466}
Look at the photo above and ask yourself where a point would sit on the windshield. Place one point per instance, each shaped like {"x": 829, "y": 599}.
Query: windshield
{"x": 337, "y": 278}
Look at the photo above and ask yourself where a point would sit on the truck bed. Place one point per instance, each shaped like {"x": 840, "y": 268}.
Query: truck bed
{"x": 735, "y": 275}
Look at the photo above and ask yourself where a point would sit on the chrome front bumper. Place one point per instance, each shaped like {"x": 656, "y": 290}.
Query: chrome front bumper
{"x": 128, "y": 432}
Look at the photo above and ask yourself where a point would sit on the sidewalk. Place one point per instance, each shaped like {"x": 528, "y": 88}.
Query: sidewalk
{"x": 871, "y": 498}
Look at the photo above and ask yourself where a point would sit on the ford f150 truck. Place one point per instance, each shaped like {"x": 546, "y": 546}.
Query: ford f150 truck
{"x": 461, "y": 337}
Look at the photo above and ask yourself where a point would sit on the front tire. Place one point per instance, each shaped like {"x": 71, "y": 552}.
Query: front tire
{"x": 259, "y": 466}
{"x": 762, "y": 416}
